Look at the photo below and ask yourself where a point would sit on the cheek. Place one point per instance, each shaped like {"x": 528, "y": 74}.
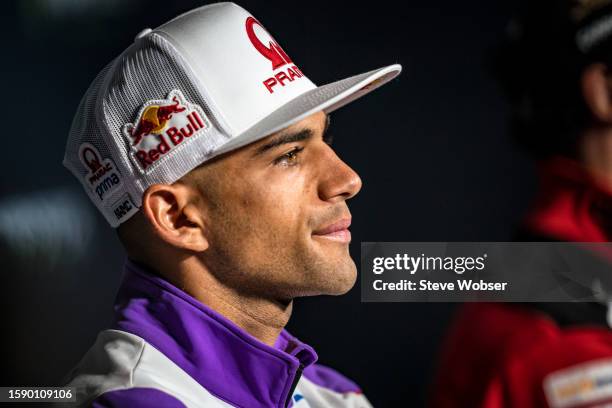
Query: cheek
{"x": 276, "y": 205}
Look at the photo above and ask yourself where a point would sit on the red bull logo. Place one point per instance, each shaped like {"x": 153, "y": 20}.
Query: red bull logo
{"x": 154, "y": 120}
{"x": 273, "y": 52}
{"x": 161, "y": 125}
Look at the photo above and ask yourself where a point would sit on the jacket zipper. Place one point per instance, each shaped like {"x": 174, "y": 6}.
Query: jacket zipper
{"x": 298, "y": 375}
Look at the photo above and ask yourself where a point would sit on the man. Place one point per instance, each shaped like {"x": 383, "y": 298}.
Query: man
{"x": 205, "y": 145}
{"x": 556, "y": 70}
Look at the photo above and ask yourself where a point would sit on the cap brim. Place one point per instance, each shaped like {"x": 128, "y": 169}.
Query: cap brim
{"x": 323, "y": 98}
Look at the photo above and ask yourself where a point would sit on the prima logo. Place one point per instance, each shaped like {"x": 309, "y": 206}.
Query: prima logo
{"x": 102, "y": 177}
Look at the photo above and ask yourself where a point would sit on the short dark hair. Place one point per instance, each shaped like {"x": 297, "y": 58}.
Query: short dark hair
{"x": 539, "y": 66}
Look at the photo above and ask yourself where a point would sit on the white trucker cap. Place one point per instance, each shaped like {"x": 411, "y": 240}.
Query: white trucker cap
{"x": 207, "y": 82}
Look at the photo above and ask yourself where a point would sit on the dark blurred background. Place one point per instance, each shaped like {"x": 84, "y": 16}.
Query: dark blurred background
{"x": 432, "y": 149}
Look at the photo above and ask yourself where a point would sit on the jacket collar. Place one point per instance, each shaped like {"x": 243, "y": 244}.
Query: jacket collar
{"x": 571, "y": 204}
{"x": 219, "y": 355}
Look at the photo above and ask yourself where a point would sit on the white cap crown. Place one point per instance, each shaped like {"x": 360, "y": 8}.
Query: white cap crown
{"x": 209, "y": 81}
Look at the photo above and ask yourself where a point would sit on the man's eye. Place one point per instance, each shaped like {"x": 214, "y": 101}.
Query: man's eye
{"x": 289, "y": 158}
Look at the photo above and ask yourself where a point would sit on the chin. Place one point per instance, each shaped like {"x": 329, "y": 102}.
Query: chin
{"x": 332, "y": 271}
{"x": 341, "y": 279}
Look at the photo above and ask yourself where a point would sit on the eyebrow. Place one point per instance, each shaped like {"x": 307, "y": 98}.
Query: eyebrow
{"x": 284, "y": 139}
{"x": 292, "y": 137}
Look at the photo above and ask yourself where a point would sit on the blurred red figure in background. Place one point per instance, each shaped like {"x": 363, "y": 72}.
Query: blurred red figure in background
{"x": 556, "y": 71}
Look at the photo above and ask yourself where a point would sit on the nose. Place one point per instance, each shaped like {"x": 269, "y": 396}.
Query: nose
{"x": 339, "y": 182}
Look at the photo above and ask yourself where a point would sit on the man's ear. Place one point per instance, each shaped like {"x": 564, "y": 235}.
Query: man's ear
{"x": 174, "y": 216}
{"x": 597, "y": 91}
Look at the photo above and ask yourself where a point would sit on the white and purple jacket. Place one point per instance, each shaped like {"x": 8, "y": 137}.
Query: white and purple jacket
{"x": 167, "y": 350}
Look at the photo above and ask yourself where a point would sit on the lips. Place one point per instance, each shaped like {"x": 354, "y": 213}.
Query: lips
{"x": 338, "y": 231}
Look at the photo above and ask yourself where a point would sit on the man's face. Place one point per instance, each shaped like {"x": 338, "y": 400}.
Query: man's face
{"x": 276, "y": 213}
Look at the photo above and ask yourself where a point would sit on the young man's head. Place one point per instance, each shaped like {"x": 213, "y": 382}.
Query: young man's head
{"x": 556, "y": 69}
{"x": 205, "y": 144}
{"x": 269, "y": 219}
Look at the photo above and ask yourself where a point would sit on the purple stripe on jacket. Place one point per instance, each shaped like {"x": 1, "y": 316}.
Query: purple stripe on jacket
{"x": 330, "y": 379}
{"x": 136, "y": 398}
{"x": 226, "y": 360}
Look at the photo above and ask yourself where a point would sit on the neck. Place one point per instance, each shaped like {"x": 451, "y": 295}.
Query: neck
{"x": 262, "y": 318}
{"x": 595, "y": 153}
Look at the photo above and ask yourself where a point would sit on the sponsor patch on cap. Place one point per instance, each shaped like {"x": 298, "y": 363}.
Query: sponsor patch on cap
{"x": 580, "y": 384}
{"x": 103, "y": 177}
{"x": 285, "y": 71}
{"x": 124, "y": 207}
{"x": 161, "y": 126}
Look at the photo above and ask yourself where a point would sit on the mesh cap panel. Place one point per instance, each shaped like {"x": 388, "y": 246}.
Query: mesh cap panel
{"x": 149, "y": 70}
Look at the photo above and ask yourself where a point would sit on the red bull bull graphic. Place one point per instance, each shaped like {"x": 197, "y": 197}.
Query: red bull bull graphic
{"x": 162, "y": 125}
{"x": 154, "y": 120}
{"x": 102, "y": 177}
